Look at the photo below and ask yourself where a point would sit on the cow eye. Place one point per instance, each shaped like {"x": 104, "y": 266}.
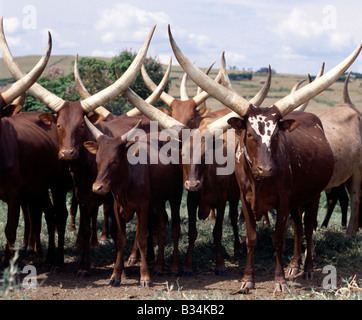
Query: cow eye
{"x": 249, "y": 135}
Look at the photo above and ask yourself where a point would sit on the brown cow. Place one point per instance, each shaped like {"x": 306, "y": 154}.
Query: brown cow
{"x": 29, "y": 167}
{"x": 285, "y": 160}
{"x": 109, "y": 118}
{"x": 72, "y": 132}
{"x": 137, "y": 188}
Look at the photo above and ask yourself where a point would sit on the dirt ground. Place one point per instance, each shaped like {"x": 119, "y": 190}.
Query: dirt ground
{"x": 203, "y": 285}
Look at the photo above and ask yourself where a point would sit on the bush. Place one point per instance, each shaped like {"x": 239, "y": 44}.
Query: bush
{"x": 96, "y": 75}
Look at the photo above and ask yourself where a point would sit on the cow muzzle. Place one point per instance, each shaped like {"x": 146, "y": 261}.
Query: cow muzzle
{"x": 67, "y": 154}
{"x": 100, "y": 188}
{"x": 264, "y": 171}
{"x": 192, "y": 185}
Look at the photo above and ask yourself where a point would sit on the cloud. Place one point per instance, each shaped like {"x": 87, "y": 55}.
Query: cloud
{"x": 58, "y": 39}
{"x": 11, "y": 25}
{"x": 301, "y": 32}
{"x": 124, "y": 22}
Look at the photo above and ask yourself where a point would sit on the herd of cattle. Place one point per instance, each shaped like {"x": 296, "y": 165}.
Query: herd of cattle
{"x": 283, "y": 158}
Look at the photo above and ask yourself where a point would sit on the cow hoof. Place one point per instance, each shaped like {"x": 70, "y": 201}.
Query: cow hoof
{"x": 82, "y": 274}
{"x": 114, "y": 283}
{"x": 293, "y": 271}
{"x": 221, "y": 272}
{"x": 280, "y": 287}
{"x": 308, "y": 275}
{"x": 56, "y": 269}
{"x": 145, "y": 284}
{"x": 187, "y": 273}
{"x": 245, "y": 287}
{"x": 131, "y": 262}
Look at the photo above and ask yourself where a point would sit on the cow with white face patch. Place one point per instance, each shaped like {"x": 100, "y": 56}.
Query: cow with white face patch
{"x": 287, "y": 160}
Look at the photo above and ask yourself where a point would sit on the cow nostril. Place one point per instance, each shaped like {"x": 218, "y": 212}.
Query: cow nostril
{"x": 192, "y": 185}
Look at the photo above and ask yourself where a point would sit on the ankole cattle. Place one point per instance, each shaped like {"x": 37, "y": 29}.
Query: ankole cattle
{"x": 137, "y": 187}
{"x": 72, "y": 132}
{"x": 285, "y": 160}
{"x": 29, "y": 167}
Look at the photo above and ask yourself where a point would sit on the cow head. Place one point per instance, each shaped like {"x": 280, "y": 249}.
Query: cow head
{"x": 185, "y": 110}
{"x": 111, "y": 157}
{"x": 260, "y": 128}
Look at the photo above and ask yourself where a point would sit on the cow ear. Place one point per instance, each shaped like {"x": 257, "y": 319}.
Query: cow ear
{"x": 95, "y": 118}
{"x": 237, "y": 123}
{"x": 11, "y": 110}
{"x": 288, "y": 124}
{"x": 48, "y": 118}
{"x": 91, "y": 146}
{"x": 205, "y": 112}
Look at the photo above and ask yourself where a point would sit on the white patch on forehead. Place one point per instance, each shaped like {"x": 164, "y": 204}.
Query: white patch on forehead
{"x": 269, "y": 127}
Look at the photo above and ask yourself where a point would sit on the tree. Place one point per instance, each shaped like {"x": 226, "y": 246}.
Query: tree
{"x": 97, "y": 75}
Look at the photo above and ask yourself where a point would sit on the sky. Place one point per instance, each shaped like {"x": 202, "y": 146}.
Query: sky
{"x": 294, "y": 37}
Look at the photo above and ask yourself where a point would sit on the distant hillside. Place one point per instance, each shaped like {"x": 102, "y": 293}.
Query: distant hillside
{"x": 280, "y": 87}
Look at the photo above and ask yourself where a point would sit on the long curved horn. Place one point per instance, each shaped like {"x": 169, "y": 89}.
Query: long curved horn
{"x": 183, "y": 92}
{"x": 199, "y": 90}
{"x": 297, "y": 98}
{"x": 296, "y": 87}
{"x": 36, "y": 90}
{"x": 93, "y": 129}
{"x": 22, "y": 85}
{"x": 346, "y": 98}
{"x": 152, "y": 99}
{"x": 129, "y": 135}
{"x": 151, "y": 112}
{"x": 84, "y": 93}
{"x": 225, "y": 96}
{"x": 114, "y": 90}
{"x": 165, "y": 97}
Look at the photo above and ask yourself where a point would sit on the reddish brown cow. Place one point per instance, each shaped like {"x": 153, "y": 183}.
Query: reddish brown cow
{"x": 29, "y": 167}
{"x": 285, "y": 161}
{"x": 137, "y": 188}
{"x": 72, "y": 132}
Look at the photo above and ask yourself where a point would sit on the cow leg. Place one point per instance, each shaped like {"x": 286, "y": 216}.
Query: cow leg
{"x": 107, "y": 214}
{"x": 310, "y": 216}
{"x": 50, "y": 221}
{"x": 142, "y": 218}
{"x": 26, "y": 236}
{"x": 217, "y": 233}
{"x": 251, "y": 239}
{"x": 343, "y": 202}
{"x": 73, "y": 211}
{"x": 331, "y": 203}
{"x": 161, "y": 233}
{"x": 61, "y": 215}
{"x": 354, "y": 188}
{"x": 121, "y": 240}
{"x": 35, "y": 216}
{"x": 294, "y": 267}
{"x": 193, "y": 199}
{"x": 233, "y": 216}
{"x": 278, "y": 243}
{"x": 85, "y": 231}
{"x": 11, "y": 227}
{"x": 94, "y": 238}
{"x": 176, "y": 230}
